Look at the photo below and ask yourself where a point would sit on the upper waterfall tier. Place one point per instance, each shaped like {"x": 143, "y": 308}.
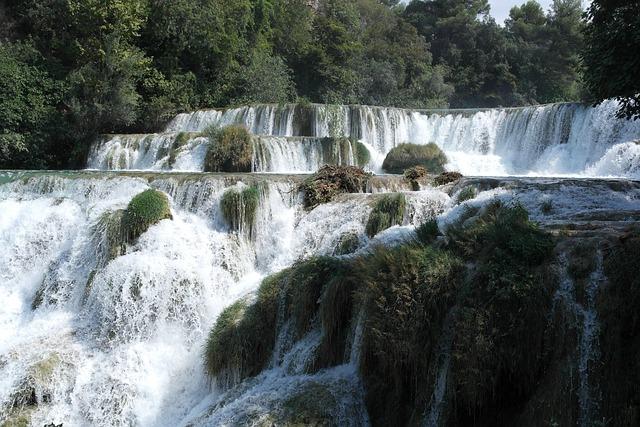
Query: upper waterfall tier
{"x": 547, "y": 140}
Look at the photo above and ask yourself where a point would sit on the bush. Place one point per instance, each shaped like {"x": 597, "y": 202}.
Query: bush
{"x": 330, "y": 181}
{"x": 405, "y": 156}
{"x": 230, "y": 149}
{"x": 447, "y": 177}
{"x": 387, "y": 212}
{"x": 239, "y": 208}
{"x": 467, "y": 193}
{"x": 348, "y": 244}
{"x": 180, "y": 141}
{"x": 361, "y": 153}
{"x": 337, "y": 150}
{"x": 413, "y": 174}
{"x": 427, "y": 232}
{"x": 144, "y": 210}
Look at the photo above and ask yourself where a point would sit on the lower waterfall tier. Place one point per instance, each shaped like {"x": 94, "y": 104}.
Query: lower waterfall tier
{"x": 99, "y": 329}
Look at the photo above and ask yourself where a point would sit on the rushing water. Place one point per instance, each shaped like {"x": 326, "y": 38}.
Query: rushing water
{"x": 548, "y": 140}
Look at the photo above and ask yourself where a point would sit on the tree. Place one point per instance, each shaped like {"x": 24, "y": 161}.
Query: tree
{"x": 612, "y": 65}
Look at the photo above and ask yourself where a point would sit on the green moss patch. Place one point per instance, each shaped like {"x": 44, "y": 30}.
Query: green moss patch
{"x": 427, "y": 232}
{"x": 347, "y": 244}
{"x": 180, "y": 141}
{"x": 144, "y": 210}
{"x": 467, "y": 193}
{"x": 230, "y": 150}
{"x": 330, "y": 181}
{"x": 387, "y": 212}
{"x": 405, "y": 156}
{"x": 239, "y": 208}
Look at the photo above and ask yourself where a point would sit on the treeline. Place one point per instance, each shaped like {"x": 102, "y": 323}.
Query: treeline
{"x": 71, "y": 69}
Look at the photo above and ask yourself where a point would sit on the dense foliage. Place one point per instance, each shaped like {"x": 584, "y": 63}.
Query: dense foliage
{"x": 612, "y": 43}
{"x": 71, "y": 69}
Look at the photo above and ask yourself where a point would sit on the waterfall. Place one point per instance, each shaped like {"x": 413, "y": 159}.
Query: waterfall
{"x": 546, "y": 140}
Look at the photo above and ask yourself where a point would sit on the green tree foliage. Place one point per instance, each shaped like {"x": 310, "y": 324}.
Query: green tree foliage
{"x": 130, "y": 65}
{"x": 612, "y": 64}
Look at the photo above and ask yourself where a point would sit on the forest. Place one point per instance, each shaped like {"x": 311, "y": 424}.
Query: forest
{"x": 73, "y": 69}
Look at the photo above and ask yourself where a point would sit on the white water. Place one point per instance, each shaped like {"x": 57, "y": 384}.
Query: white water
{"x": 548, "y": 140}
{"x": 123, "y": 339}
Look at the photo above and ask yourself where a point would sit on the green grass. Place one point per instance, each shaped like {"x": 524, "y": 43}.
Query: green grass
{"x": 230, "y": 149}
{"x": 347, "y": 244}
{"x": 239, "y": 208}
{"x": 427, "y": 232}
{"x": 144, "y": 210}
{"x": 387, "y": 212}
{"x": 467, "y": 193}
{"x": 407, "y": 155}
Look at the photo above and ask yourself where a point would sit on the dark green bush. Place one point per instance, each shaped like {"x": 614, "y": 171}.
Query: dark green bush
{"x": 467, "y": 193}
{"x": 144, "y": 210}
{"x": 330, "y": 181}
{"x": 230, "y": 149}
{"x": 239, "y": 208}
{"x": 348, "y": 243}
{"x": 405, "y": 156}
{"x": 387, "y": 212}
{"x": 427, "y": 232}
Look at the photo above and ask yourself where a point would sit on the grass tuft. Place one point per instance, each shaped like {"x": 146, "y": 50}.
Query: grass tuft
{"x": 144, "y": 210}
{"x": 330, "y": 181}
{"x": 405, "y": 156}
{"x": 387, "y": 212}
{"x": 230, "y": 149}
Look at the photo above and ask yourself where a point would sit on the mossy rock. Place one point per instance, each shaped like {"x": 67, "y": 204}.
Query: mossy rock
{"x": 239, "y": 208}
{"x": 347, "y": 244}
{"x": 180, "y": 141}
{"x": 230, "y": 149}
{"x": 447, "y": 177}
{"x": 330, "y": 181}
{"x": 467, "y": 193}
{"x": 361, "y": 153}
{"x": 407, "y": 155}
{"x": 312, "y": 405}
{"x": 413, "y": 175}
{"x": 427, "y": 232}
{"x": 387, "y": 212}
{"x": 144, "y": 210}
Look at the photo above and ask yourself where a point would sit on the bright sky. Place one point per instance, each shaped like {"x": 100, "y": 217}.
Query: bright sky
{"x": 500, "y": 8}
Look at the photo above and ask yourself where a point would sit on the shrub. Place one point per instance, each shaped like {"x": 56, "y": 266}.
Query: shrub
{"x": 347, "y": 244}
{"x": 239, "y": 208}
{"x": 361, "y": 153}
{"x": 407, "y": 292}
{"x": 230, "y": 149}
{"x": 467, "y": 193}
{"x": 330, "y": 181}
{"x": 144, "y": 210}
{"x": 405, "y": 156}
{"x": 337, "y": 150}
{"x": 447, "y": 177}
{"x": 387, "y": 212}
{"x": 413, "y": 174}
{"x": 427, "y": 232}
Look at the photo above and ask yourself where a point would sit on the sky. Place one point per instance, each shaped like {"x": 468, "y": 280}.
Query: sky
{"x": 500, "y": 8}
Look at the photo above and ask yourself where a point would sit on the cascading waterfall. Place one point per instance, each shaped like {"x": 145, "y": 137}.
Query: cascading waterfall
{"x": 547, "y": 140}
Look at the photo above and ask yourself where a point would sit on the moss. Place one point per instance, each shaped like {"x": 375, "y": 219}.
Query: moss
{"x": 405, "y": 156}
{"x": 241, "y": 343}
{"x": 427, "y": 232}
{"x": 620, "y": 332}
{"x": 180, "y": 141}
{"x": 407, "y": 292}
{"x": 582, "y": 260}
{"x": 144, "y": 210}
{"x": 230, "y": 150}
{"x": 330, "y": 181}
{"x": 347, "y": 244}
{"x": 447, "y": 177}
{"x": 239, "y": 208}
{"x": 413, "y": 175}
{"x": 387, "y": 212}
{"x": 467, "y": 193}
{"x": 311, "y": 405}
{"x": 361, "y": 153}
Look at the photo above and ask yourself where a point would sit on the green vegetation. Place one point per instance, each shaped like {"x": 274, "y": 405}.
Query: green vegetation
{"x": 71, "y": 70}
{"x": 361, "y": 153}
{"x": 487, "y": 283}
{"x": 330, "y": 181}
{"x": 180, "y": 141}
{"x": 447, "y": 177}
{"x": 620, "y": 332}
{"x": 467, "y": 193}
{"x": 230, "y": 149}
{"x": 144, "y": 210}
{"x": 387, "y": 212}
{"x": 239, "y": 208}
{"x": 413, "y": 175}
{"x": 612, "y": 31}
{"x": 337, "y": 150}
{"x": 406, "y": 156}
{"x": 348, "y": 244}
